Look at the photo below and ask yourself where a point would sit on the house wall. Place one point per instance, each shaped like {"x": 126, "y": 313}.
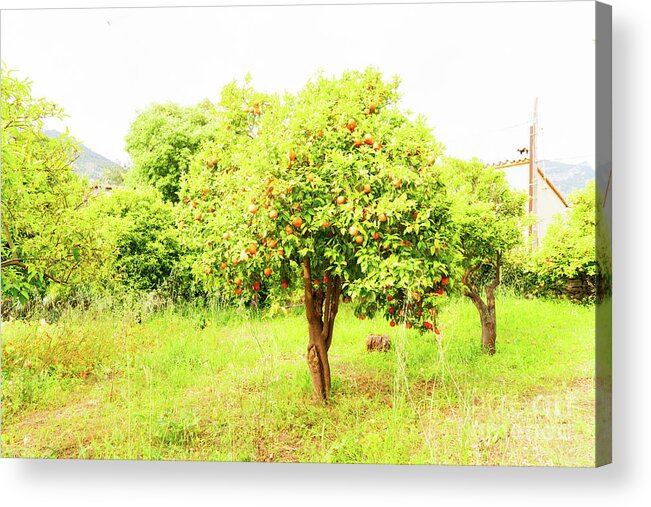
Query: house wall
{"x": 548, "y": 203}
{"x": 518, "y": 177}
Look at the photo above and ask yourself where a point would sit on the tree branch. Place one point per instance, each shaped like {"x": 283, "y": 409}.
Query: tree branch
{"x": 10, "y": 242}
{"x": 18, "y": 263}
{"x": 496, "y": 280}
{"x": 471, "y": 289}
{"x": 490, "y": 288}
{"x": 331, "y": 308}
{"x": 307, "y": 288}
{"x": 467, "y": 280}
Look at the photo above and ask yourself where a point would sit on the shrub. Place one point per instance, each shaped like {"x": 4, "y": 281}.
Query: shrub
{"x": 141, "y": 231}
{"x": 566, "y": 262}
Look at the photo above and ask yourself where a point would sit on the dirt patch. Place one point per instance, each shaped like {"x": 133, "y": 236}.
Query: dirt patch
{"x": 362, "y": 383}
{"x": 47, "y": 433}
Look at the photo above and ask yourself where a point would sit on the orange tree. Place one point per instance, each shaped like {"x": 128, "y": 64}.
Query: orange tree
{"x": 332, "y": 191}
{"x": 489, "y": 216}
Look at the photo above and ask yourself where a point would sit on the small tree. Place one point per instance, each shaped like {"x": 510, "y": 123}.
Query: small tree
{"x": 489, "y": 218}
{"x": 333, "y": 190}
{"x": 45, "y": 235}
{"x": 163, "y": 139}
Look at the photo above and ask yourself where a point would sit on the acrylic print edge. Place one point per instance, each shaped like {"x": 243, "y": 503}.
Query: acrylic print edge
{"x": 603, "y": 221}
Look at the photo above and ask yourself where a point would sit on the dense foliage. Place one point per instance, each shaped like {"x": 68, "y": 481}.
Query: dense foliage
{"x": 141, "y": 230}
{"x": 567, "y": 252}
{"x": 46, "y": 238}
{"x": 162, "y": 141}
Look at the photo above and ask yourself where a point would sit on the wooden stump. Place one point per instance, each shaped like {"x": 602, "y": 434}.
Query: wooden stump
{"x": 379, "y": 342}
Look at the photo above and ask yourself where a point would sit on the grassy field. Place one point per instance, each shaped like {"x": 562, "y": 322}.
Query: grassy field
{"x": 229, "y": 386}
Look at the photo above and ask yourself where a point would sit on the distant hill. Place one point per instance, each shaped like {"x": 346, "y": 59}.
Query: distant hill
{"x": 567, "y": 177}
{"x": 90, "y": 163}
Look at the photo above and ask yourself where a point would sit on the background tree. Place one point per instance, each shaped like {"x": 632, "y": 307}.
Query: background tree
{"x": 45, "y": 236}
{"x": 114, "y": 175}
{"x": 333, "y": 190}
{"x": 163, "y": 139}
{"x": 489, "y": 218}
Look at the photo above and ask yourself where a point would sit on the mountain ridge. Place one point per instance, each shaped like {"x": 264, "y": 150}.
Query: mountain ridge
{"x": 567, "y": 177}
{"x": 89, "y": 163}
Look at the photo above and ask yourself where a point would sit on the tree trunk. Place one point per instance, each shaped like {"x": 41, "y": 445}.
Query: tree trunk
{"x": 320, "y": 309}
{"x": 317, "y": 360}
{"x": 486, "y": 309}
{"x": 488, "y": 330}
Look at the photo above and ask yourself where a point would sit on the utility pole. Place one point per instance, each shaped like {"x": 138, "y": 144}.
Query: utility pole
{"x": 533, "y": 197}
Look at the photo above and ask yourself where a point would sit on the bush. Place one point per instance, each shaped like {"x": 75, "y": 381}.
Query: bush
{"x": 520, "y": 275}
{"x": 566, "y": 262}
{"x": 141, "y": 230}
{"x": 565, "y": 265}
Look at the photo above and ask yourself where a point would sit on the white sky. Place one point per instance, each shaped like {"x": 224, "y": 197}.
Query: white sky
{"x": 472, "y": 69}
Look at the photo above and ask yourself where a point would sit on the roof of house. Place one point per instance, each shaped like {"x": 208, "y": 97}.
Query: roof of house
{"x": 525, "y": 161}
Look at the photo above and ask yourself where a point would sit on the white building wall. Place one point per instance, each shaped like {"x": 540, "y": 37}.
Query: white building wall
{"x": 547, "y": 203}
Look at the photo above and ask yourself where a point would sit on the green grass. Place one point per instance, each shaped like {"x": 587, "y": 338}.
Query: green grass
{"x": 238, "y": 389}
